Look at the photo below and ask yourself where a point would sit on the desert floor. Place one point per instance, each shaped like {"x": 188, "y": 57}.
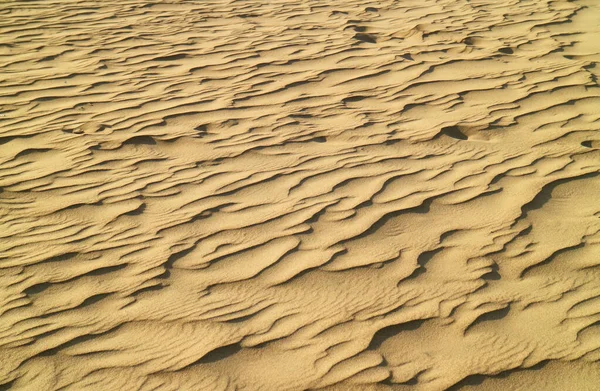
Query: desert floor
{"x": 300, "y": 195}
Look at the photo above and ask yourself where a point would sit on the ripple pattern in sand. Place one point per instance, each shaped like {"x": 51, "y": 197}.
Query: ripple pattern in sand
{"x": 294, "y": 195}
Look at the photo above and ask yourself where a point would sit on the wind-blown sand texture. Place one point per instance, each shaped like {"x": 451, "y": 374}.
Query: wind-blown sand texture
{"x": 300, "y": 194}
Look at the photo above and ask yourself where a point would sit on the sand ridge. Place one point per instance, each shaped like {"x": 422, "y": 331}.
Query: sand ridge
{"x": 299, "y": 195}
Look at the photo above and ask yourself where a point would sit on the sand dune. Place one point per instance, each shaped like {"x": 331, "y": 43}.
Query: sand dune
{"x": 299, "y": 195}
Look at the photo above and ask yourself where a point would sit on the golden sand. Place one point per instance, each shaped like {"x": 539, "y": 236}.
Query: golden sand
{"x": 300, "y": 195}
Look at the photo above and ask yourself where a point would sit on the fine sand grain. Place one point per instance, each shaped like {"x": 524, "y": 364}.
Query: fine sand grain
{"x": 300, "y": 195}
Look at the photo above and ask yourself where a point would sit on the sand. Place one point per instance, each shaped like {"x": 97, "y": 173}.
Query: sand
{"x": 300, "y": 195}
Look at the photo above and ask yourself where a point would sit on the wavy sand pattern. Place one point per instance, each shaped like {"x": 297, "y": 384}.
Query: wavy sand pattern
{"x": 299, "y": 195}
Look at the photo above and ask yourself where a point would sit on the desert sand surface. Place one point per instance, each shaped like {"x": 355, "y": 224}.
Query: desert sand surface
{"x": 300, "y": 195}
